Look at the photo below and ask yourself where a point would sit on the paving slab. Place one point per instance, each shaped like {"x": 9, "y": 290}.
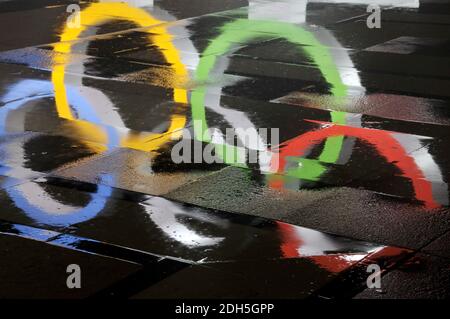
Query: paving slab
{"x": 185, "y": 285}
{"x": 52, "y": 206}
{"x": 368, "y": 216}
{"x": 427, "y": 278}
{"x": 151, "y": 173}
{"x": 213, "y": 235}
{"x": 34, "y": 270}
{"x": 439, "y": 246}
{"x": 361, "y": 214}
{"x": 241, "y": 190}
{"x": 31, "y": 155}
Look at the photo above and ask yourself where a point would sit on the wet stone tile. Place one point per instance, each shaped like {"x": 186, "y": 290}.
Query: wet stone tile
{"x": 172, "y": 229}
{"x": 42, "y": 263}
{"x": 359, "y": 38}
{"x": 242, "y": 190}
{"x": 439, "y": 247}
{"x": 424, "y": 277}
{"x": 43, "y": 116}
{"x": 292, "y": 74}
{"x": 101, "y": 17}
{"x": 104, "y": 114}
{"x": 238, "y": 279}
{"x": 427, "y": 191}
{"x": 380, "y": 105}
{"x": 165, "y": 76}
{"x": 7, "y": 228}
{"x": 298, "y": 280}
{"x": 198, "y": 7}
{"x": 420, "y": 176}
{"x": 102, "y": 103}
{"x": 189, "y": 51}
{"x": 7, "y": 181}
{"x": 229, "y": 111}
{"x": 304, "y": 178}
{"x": 185, "y": 284}
{"x": 115, "y": 193}
{"x": 392, "y": 62}
{"x": 358, "y": 103}
{"x": 414, "y": 109}
{"x": 322, "y": 14}
{"x": 23, "y": 35}
{"x": 390, "y": 83}
{"x": 404, "y": 189}
{"x": 422, "y": 130}
{"x": 337, "y": 155}
{"x": 109, "y": 121}
{"x": 56, "y": 207}
{"x": 28, "y": 155}
{"x": 297, "y": 76}
{"x": 232, "y": 189}
{"x": 290, "y": 12}
{"x": 401, "y": 155}
{"x": 40, "y": 58}
{"x": 149, "y": 54}
{"x": 284, "y": 51}
{"x": 433, "y": 7}
{"x": 428, "y": 12}
{"x": 368, "y": 216}
{"x": 124, "y": 70}
{"x": 108, "y": 45}
{"x": 9, "y": 6}
{"x": 288, "y": 279}
{"x": 99, "y": 67}
{"x": 333, "y": 161}
{"x": 410, "y": 45}
{"x": 12, "y": 74}
{"x": 154, "y": 268}
{"x": 258, "y": 84}
{"x": 353, "y": 280}
{"x": 287, "y": 197}
{"x": 238, "y": 13}
{"x": 151, "y": 173}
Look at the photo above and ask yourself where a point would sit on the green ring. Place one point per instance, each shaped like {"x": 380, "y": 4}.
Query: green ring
{"x": 242, "y": 31}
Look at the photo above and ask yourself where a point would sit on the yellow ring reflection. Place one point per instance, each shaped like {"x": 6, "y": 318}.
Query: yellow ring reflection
{"x": 96, "y": 14}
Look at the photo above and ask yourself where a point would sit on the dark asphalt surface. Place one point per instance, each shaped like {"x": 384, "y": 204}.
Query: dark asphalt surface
{"x": 91, "y": 116}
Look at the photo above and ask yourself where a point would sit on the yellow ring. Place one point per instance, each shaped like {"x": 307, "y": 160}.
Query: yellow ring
{"x": 96, "y": 14}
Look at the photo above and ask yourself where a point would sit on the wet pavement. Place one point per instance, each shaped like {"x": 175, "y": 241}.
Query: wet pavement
{"x": 352, "y": 149}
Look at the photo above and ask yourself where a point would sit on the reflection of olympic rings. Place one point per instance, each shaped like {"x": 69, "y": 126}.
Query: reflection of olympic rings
{"x": 95, "y": 14}
{"x": 306, "y": 169}
{"x": 388, "y": 145}
{"x": 45, "y": 210}
{"x": 88, "y": 124}
{"x": 294, "y": 34}
{"x": 53, "y": 212}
